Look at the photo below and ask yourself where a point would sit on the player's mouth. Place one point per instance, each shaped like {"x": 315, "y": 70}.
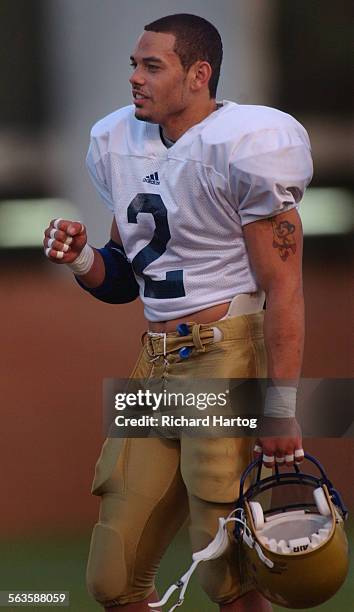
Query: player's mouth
{"x": 139, "y": 98}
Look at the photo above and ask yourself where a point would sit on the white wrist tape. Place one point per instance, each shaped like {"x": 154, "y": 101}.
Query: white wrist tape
{"x": 280, "y": 402}
{"x": 83, "y": 263}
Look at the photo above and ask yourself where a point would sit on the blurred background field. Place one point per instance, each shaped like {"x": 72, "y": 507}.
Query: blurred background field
{"x": 64, "y": 65}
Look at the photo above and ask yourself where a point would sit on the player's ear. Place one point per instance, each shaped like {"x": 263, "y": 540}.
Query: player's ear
{"x": 201, "y": 72}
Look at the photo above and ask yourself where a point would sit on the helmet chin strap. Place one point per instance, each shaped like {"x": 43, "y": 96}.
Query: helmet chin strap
{"x": 214, "y": 550}
{"x": 181, "y": 585}
{"x": 248, "y": 538}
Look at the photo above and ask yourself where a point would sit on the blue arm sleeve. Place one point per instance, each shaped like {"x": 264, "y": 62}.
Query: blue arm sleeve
{"x": 119, "y": 285}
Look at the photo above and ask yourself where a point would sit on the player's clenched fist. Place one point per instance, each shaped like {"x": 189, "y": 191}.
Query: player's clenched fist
{"x": 64, "y": 240}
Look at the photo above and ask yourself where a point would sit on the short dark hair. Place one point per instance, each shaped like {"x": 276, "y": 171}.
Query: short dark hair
{"x": 196, "y": 39}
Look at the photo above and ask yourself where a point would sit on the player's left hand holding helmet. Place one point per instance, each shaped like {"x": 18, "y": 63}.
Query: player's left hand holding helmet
{"x": 279, "y": 441}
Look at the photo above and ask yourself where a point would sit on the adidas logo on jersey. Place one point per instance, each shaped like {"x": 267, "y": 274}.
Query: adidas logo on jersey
{"x": 153, "y": 179}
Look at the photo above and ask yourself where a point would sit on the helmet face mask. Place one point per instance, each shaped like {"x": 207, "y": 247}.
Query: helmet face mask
{"x": 296, "y": 554}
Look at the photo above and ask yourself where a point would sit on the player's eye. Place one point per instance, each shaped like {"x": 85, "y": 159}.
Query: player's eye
{"x": 133, "y": 64}
{"x": 153, "y": 68}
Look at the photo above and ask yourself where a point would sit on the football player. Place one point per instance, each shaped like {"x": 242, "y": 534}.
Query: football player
{"x": 204, "y": 196}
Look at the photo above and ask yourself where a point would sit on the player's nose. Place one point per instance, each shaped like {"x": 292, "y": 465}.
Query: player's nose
{"x": 136, "y": 78}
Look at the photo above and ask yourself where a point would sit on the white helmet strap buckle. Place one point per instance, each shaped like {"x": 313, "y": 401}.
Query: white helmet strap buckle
{"x": 214, "y": 550}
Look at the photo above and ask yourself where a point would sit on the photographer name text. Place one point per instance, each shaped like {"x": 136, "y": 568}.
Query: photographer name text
{"x": 164, "y": 420}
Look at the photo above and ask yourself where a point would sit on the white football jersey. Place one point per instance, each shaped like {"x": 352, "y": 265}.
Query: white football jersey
{"x": 180, "y": 210}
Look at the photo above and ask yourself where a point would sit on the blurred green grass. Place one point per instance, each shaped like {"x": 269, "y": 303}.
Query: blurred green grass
{"x": 57, "y": 562}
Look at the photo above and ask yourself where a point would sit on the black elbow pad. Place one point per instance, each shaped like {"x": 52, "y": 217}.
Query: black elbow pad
{"x": 119, "y": 285}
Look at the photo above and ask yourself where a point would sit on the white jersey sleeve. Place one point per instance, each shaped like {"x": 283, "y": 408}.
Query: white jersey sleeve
{"x": 95, "y": 163}
{"x": 269, "y": 172}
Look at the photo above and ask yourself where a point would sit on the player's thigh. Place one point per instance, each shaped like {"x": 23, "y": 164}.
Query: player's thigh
{"x": 112, "y": 465}
{"x": 211, "y": 467}
{"x": 144, "y": 491}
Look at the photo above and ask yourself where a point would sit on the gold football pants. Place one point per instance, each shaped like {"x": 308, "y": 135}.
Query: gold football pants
{"x": 149, "y": 486}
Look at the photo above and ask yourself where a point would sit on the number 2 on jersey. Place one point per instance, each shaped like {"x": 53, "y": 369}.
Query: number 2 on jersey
{"x": 173, "y": 286}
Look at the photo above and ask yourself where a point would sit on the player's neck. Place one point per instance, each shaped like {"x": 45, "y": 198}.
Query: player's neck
{"x": 176, "y": 126}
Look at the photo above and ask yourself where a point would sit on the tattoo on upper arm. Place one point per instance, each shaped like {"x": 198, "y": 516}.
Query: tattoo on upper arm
{"x": 283, "y": 238}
